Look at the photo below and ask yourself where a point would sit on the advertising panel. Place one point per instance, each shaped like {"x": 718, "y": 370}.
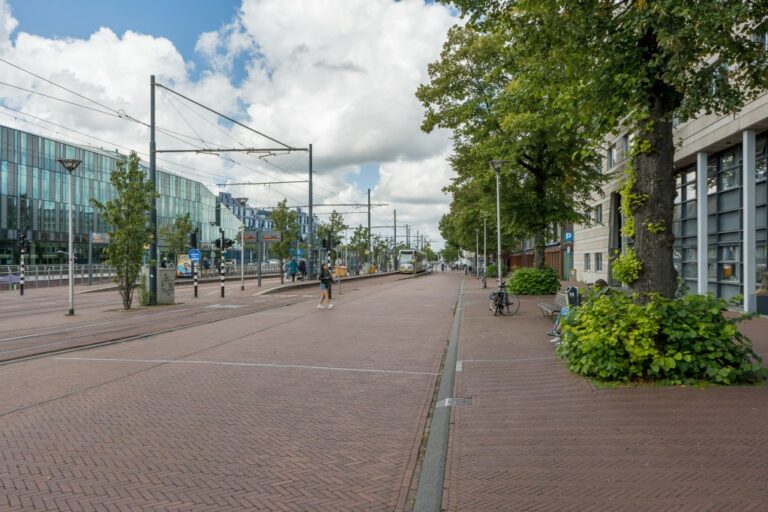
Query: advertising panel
{"x": 183, "y": 266}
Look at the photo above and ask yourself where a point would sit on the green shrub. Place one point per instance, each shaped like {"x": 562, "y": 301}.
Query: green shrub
{"x": 612, "y": 338}
{"x": 492, "y": 272}
{"x": 533, "y": 281}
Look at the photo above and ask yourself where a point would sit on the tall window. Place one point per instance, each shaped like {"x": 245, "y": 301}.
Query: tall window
{"x": 586, "y": 262}
{"x": 598, "y": 214}
{"x": 611, "y": 155}
{"x": 598, "y": 261}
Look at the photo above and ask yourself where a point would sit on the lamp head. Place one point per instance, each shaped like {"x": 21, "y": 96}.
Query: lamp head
{"x": 70, "y": 164}
{"x": 242, "y": 200}
{"x": 496, "y": 165}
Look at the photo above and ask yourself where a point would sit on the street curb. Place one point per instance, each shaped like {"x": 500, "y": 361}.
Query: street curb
{"x": 429, "y": 492}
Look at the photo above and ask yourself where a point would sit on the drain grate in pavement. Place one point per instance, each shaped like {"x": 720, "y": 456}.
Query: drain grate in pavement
{"x": 450, "y": 402}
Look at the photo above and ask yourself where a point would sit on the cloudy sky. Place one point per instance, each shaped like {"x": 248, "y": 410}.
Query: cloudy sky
{"x": 337, "y": 74}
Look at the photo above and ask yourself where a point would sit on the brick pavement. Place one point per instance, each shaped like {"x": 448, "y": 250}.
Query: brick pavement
{"x": 293, "y": 409}
{"x": 540, "y": 438}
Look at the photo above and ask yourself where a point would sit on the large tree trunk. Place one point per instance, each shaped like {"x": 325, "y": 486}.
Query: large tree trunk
{"x": 539, "y": 245}
{"x": 655, "y": 191}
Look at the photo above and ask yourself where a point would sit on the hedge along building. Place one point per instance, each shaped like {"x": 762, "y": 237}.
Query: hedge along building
{"x": 720, "y": 214}
{"x": 34, "y": 193}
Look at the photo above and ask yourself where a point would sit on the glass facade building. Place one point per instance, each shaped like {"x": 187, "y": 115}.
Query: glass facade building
{"x": 34, "y": 190}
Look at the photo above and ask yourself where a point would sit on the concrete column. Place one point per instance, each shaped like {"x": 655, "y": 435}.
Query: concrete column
{"x": 748, "y": 210}
{"x": 701, "y": 222}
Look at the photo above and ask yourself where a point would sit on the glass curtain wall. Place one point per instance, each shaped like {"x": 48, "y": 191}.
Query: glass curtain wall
{"x": 34, "y": 193}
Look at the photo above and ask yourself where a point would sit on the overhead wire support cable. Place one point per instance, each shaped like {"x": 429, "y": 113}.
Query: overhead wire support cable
{"x": 285, "y": 146}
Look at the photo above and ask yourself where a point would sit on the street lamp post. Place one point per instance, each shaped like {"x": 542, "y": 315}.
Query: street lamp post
{"x": 70, "y": 165}
{"x": 242, "y": 201}
{"x": 485, "y": 248}
{"x": 477, "y": 251}
{"x": 496, "y": 166}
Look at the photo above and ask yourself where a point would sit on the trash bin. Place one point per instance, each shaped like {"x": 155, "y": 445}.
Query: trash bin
{"x": 572, "y": 295}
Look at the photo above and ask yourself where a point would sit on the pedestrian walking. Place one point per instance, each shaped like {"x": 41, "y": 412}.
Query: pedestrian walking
{"x": 303, "y": 269}
{"x": 326, "y": 278}
{"x": 206, "y": 266}
{"x": 293, "y": 268}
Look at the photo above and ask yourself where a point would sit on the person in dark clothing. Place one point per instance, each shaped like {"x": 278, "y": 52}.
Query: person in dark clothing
{"x": 303, "y": 269}
{"x": 293, "y": 268}
{"x": 326, "y": 278}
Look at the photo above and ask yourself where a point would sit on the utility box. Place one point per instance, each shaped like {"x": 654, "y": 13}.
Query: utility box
{"x": 166, "y": 285}
{"x": 572, "y": 296}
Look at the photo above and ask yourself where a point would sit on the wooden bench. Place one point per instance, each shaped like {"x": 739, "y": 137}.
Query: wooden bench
{"x": 553, "y": 308}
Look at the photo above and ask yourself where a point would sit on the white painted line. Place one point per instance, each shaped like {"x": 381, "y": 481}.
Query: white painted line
{"x": 227, "y": 363}
{"x": 459, "y": 366}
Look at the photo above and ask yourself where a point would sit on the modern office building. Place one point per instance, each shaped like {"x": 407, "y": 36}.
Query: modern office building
{"x": 721, "y": 212}
{"x": 34, "y": 190}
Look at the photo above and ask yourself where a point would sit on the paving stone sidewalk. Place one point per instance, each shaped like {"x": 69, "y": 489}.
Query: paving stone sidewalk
{"x": 537, "y": 437}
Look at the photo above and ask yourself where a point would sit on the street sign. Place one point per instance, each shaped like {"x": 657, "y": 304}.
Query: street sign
{"x": 569, "y": 236}
{"x": 271, "y": 236}
{"x": 100, "y": 238}
{"x": 194, "y": 255}
{"x": 250, "y": 237}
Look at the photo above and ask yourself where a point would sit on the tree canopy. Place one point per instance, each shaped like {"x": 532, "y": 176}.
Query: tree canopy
{"x": 637, "y": 65}
{"x": 496, "y": 112}
{"x": 128, "y": 215}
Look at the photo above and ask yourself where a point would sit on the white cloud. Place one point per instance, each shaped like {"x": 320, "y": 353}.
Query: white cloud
{"x": 338, "y": 74}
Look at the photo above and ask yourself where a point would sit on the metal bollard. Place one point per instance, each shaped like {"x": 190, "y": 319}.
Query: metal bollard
{"x": 194, "y": 271}
{"x": 221, "y": 272}
{"x": 21, "y": 276}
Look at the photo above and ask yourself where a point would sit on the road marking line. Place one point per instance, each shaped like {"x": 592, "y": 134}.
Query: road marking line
{"x": 227, "y": 363}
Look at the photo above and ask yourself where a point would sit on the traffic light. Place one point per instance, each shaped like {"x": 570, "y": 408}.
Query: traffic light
{"x": 228, "y": 242}
{"x": 217, "y": 243}
{"x": 325, "y": 243}
{"x": 22, "y": 241}
{"x": 193, "y": 239}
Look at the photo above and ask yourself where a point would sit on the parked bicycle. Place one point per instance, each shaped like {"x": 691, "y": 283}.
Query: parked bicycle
{"x": 503, "y": 302}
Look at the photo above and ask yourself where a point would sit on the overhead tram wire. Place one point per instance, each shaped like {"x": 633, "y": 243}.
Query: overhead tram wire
{"x": 120, "y": 114}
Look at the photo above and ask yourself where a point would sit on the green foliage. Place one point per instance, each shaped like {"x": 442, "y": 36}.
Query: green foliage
{"x": 552, "y": 171}
{"x": 534, "y": 281}
{"x": 635, "y": 64}
{"x": 176, "y": 236}
{"x": 286, "y": 222}
{"x": 359, "y": 242}
{"x": 626, "y": 267}
{"x": 492, "y": 270}
{"x": 450, "y": 253}
{"x": 612, "y": 338}
{"x": 128, "y": 214}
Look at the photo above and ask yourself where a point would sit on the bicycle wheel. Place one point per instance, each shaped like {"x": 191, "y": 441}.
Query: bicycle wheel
{"x": 513, "y": 304}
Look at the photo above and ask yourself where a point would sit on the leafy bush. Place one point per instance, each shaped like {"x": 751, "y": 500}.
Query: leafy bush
{"x": 492, "y": 272}
{"x": 534, "y": 281}
{"x": 612, "y": 338}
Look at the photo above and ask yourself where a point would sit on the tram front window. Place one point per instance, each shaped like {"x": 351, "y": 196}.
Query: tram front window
{"x": 406, "y": 258}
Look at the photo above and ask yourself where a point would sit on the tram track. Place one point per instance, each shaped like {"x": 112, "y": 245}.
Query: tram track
{"x": 125, "y": 333}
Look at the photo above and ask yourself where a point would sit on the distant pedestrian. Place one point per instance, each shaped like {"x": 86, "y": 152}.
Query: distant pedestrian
{"x": 164, "y": 263}
{"x": 442, "y": 267}
{"x": 303, "y": 269}
{"x": 326, "y": 278}
{"x": 293, "y": 268}
{"x": 206, "y": 266}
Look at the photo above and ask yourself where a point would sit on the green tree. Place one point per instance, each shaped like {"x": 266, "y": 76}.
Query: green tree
{"x": 176, "y": 236}
{"x": 286, "y": 222}
{"x": 128, "y": 214}
{"x": 450, "y": 253}
{"x": 359, "y": 242}
{"x": 331, "y": 229}
{"x": 478, "y": 91}
{"x": 639, "y": 64}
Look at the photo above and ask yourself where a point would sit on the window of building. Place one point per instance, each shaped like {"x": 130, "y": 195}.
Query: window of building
{"x": 586, "y": 262}
{"x": 625, "y": 145}
{"x": 611, "y": 156}
{"x": 598, "y": 261}
{"x": 598, "y": 214}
